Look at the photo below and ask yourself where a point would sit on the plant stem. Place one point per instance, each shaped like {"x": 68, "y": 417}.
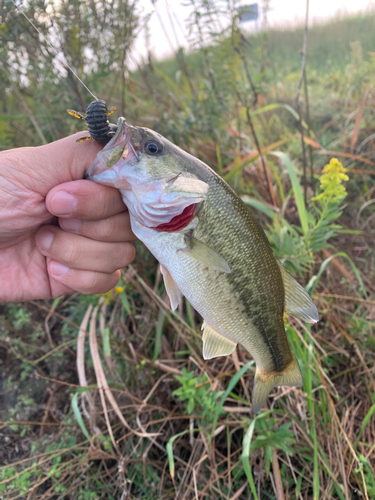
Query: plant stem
{"x": 266, "y": 176}
{"x": 303, "y": 66}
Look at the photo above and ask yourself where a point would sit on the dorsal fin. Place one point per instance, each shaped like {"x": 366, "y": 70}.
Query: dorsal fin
{"x": 298, "y": 302}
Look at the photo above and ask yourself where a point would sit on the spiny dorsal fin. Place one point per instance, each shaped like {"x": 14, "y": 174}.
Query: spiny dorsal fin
{"x": 173, "y": 291}
{"x": 298, "y": 302}
{"x": 214, "y": 344}
{"x": 205, "y": 255}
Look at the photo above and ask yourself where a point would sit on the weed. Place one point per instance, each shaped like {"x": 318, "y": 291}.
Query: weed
{"x": 198, "y": 396}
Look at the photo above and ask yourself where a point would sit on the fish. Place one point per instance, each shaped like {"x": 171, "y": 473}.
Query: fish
{"x": 211, "y": 250}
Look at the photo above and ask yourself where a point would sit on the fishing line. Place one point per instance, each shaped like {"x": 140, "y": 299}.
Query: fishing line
{"x": 53, "y": 48}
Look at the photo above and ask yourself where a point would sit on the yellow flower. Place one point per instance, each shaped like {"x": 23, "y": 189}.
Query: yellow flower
{"x": 331, "y": 182}
{"x": 108, "y": 296}
{"x": 119, "y": 289}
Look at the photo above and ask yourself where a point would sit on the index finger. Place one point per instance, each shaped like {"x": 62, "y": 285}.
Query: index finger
{"x": 84, "y": 200}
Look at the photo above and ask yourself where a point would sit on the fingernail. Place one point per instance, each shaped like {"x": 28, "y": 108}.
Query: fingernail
{"x": 63, "y": 203}
{"x": 46, "y": 240}
{"x": 58, "y": 269}
{"x": 70, "y": 225}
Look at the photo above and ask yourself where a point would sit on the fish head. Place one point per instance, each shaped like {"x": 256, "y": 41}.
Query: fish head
{"x": 152, "y": 174}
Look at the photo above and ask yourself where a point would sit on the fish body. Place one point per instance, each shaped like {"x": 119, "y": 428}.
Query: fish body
{"x": 211, "y": 250}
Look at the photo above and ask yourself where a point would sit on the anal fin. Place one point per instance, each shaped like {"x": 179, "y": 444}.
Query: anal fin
{"x": 298, "y": 302}
{"x": 173, "y": 291}
{"x": 215, "y": 344}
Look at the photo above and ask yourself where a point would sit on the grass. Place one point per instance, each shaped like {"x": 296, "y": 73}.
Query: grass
{"x": 119, "y": 402}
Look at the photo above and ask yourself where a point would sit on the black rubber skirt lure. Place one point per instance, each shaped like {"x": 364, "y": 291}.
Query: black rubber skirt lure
{"x": 97, "y": 123}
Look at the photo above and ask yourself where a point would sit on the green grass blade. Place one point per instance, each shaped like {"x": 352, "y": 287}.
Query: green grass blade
{"x": 297, "y": 189}
{"x": 366, "y": 420}
{"x": 267, "y": 209}
{"x": 78, "y": 415}
{"x": 232, "y": 383}
{"x": 125, "y": 302}
{"x": 310, "y": 288}
{"x": 106, "y": 342}
{"x": 219, "y": 158}
{"x": 238, "y": 168}
{"x": 275, "y": 105}
{"x": 189, "y": 314}
{"x": 159, "y": 333}
{"x": 169, "y": 448}
{"x": 245, "y": 457}
{"x": 12, "y": 117}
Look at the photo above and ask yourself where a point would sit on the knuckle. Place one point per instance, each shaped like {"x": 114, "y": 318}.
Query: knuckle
{"x": 128, "y": 253}
{"x": 106, "y": 229}
{"x": 103, "y": 204}
{"x": 92, "y": 283}
{"x": 70, "y": 253}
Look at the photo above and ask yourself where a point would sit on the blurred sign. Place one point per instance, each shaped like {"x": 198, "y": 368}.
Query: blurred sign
{"x": 248, "y": 12}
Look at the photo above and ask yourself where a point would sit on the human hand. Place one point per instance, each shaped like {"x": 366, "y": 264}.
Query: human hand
{"x": 58, "y": 232}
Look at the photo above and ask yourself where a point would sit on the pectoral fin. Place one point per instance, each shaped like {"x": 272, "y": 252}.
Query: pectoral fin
{"x": 298, "y": 302}
{"x": 173, "y": 291}
{"x": 214, "y": 344}
{"x": 205, "y": 255}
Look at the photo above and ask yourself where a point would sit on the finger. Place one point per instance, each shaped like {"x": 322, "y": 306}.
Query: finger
{"x": 115, "y": 228}
{"x": 78, "y": 252}
{"x": 81, "y": 281}
{"x": 65, "y": 160}
{"x": 84, "y": 200}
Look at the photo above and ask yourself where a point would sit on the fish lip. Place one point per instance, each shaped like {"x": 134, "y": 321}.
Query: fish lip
{"x": 102, "y": 169}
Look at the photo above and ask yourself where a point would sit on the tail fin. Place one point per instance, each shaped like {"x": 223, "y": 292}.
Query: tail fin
{"x": 264, "y": 382}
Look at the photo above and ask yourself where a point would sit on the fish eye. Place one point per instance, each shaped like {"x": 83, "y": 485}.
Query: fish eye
{"x": 153, "y": 147}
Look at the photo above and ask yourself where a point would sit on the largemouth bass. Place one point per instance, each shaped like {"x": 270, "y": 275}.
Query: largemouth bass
{"x": 211, "y": 250}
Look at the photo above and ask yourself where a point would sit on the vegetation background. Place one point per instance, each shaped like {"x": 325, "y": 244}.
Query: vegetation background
{"x": 108, "y": 396}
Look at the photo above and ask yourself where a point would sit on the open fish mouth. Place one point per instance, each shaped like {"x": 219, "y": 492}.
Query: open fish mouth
{"x": 156, "y": 197}
{"x": 114, "y": 160}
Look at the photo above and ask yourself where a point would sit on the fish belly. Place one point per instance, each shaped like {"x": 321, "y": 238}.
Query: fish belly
{"x": 208, "y": 291}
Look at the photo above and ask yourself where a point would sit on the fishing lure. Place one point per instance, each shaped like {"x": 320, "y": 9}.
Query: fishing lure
{"x": 97, "y": 123}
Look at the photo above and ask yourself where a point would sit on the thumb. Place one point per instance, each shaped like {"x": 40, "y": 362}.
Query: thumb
{"x": 39, "y": 169}
{"x": 69, "y": 159}
{"x": 60, "y": 161}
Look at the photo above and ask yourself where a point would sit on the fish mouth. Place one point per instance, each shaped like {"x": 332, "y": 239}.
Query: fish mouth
{"x": 120, "y": 152}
